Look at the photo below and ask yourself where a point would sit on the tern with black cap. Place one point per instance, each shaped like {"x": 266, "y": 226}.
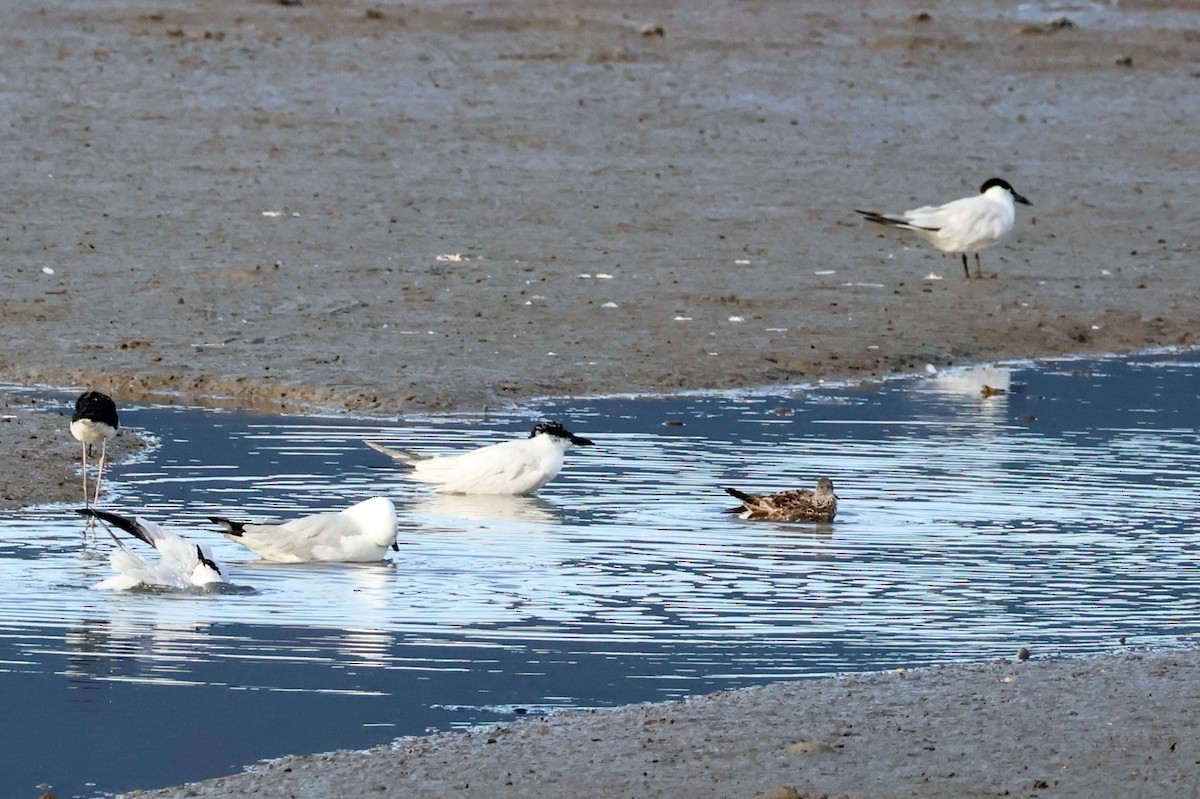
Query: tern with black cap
{"x": 962, "y": 226}
{"x": 513, "y": 468}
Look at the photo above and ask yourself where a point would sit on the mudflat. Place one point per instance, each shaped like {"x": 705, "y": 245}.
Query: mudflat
{"x": 387, "y": 207}
{"x": 1103, "y": 727}
{"x": 427, "y": 206}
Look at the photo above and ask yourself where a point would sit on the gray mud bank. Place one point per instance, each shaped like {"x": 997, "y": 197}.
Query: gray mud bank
{"x": 434, "y": 206}
{"x": 1114, "y": 726}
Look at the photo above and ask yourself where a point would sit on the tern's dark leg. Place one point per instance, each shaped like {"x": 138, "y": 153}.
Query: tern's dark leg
{"x": 978, "y": 266}
{"x": 966, "y": 270}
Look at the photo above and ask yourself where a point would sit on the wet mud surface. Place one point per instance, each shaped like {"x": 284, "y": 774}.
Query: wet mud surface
{"x": 43, "y": 460}
{"x": 394, "y": 207}
{"x": 1106, "y": 727}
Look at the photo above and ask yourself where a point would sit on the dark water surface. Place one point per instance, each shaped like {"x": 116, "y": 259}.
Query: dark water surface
{"x": 1059, "y": 516}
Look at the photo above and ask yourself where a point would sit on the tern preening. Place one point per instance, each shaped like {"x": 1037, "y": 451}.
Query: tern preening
{"x": 181, "y": 564}
{"x": 94, "y": 422}
{"x": 801, "y": 505}
{"x": 358, "y": 534}
{"x": 511, "y": 468}
{"x": 962, "y": 226}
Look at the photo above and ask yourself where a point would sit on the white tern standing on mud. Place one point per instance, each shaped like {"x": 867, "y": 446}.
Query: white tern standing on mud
{"x": 962, "y": 226}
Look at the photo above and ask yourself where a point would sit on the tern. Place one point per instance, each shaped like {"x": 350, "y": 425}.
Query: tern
{"x": 962, "y": 226}
{"x": 181, "y": 564}
{"x": 358, "y": 534}
{"x": 94, "y": 422}
{"x": 801, "y": 505}
{"x": 511, "y": 468}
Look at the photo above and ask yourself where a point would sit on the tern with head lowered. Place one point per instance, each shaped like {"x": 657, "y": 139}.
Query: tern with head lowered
{"x": 359, "y": 534}
{"x": 94, "y": 422}
{"x": 180, "y": 565}
{"x": 515, "y": 468}
{"x": 801, "y": 505}
{"x": 962, "y": 226}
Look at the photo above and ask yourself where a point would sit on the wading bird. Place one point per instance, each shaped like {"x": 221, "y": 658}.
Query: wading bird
{"x": 94, "y": 422}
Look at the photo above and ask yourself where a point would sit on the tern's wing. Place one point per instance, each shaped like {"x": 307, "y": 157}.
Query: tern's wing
{"x": 132, "y": 571}
{"x": 180, "y": 557}
{"x": 970, "y": 219}
{"x": 932, "y": 217}
{"x": 511, "y": 467}
{"x": 155, "y": 534}
{"x": 136, "y": 527}
{"x": 313, "y": 537}
{"x": 182, "y": 563}
{"x": 398, "y": 455}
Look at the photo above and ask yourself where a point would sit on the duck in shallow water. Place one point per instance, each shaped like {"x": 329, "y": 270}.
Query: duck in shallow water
{"x": 801, "y": 505}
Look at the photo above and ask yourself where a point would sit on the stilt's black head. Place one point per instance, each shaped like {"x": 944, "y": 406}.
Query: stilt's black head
{"x": 97, "y": 407}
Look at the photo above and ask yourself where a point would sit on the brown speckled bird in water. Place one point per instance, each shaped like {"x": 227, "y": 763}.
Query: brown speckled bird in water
{"x": 801, "y": 505}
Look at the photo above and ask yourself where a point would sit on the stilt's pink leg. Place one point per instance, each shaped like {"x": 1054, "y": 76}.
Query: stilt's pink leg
{"x": 86, "y": 495}
{"x": 91, "y": 522}
{"x": 100, "y": 471}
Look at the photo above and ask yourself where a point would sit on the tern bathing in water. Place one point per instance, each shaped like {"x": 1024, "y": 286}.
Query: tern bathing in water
{"x": 359, "y": 534}
{"x": 181, "y": 564}
{"x": 514, "y": 468}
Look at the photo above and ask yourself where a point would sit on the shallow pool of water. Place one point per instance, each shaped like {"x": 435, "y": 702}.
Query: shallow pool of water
{"x": 1058, "y": 516}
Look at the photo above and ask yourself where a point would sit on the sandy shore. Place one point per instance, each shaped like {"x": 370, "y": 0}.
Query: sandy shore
{"x": 434, "y": 206}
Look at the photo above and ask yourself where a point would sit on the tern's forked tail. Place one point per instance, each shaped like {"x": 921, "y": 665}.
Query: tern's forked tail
{"x": 398, "y": 455}
{"x": 880, "y": 219}
{"x": 231, "y": 527}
